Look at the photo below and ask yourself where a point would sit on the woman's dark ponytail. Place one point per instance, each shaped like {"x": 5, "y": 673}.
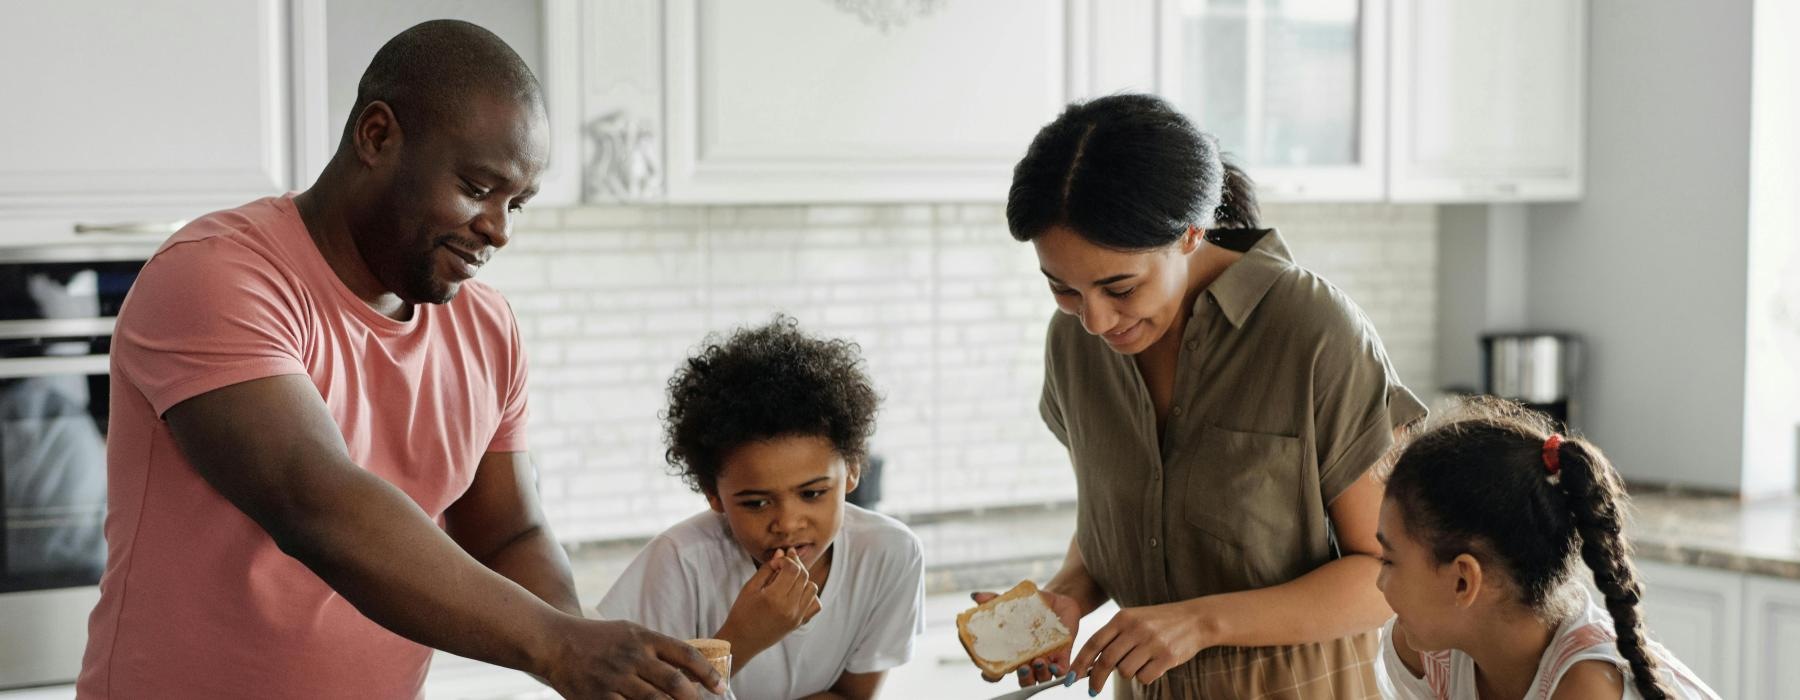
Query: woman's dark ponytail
{"x": 1595, "y": 495}
{"x": 1237, "y": 202}
{"x": 1126, "y": 172}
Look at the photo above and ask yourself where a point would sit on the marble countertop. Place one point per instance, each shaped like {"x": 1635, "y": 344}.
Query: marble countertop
{"x": 1759, "y": 537}
{"x": 996, "y": 548}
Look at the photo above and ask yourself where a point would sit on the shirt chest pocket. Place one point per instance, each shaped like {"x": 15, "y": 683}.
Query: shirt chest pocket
{"x": 1246, "y": 489}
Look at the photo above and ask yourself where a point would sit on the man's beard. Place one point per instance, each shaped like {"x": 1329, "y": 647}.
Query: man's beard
{"x": 420, "y": 286}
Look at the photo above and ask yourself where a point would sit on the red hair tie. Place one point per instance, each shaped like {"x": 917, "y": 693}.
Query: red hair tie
{"x": 1553, "y": 453}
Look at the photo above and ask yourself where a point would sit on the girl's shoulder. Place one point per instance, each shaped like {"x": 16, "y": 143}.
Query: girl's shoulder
{"x": 1585, "y": 656}
{"x": 1416, "y": 675}
{"x": 1592, "y": 678}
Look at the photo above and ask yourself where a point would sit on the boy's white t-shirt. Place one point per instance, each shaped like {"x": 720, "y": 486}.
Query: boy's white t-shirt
{"x": 684, "y": 581}
{"x": 1585, "y": 636}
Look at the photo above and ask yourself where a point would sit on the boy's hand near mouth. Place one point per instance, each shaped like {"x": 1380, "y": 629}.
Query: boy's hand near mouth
{"x": 777, "y": 600}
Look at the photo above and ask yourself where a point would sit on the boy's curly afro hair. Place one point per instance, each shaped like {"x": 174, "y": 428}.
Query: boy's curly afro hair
{"x": 762, "y": 383}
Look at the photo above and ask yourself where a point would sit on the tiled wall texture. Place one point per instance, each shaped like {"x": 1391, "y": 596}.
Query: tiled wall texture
{"x": 949, "y": 311}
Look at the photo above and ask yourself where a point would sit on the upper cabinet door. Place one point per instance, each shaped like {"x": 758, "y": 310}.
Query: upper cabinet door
{"x": 543, "y": 32}
{"x": 1488, "y": 100}
{"x": 1293, "y": 89}
{"x": 121, "y": 113}
{"x": 810, "y": 101}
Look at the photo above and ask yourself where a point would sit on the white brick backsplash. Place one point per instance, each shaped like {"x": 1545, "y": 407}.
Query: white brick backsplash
{"x": 949, "y": 310}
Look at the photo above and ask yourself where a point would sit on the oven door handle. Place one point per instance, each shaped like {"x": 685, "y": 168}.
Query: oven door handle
{"x": 57, "y": 327}
{"x": 133, "y": 227}
{"x": 16, "y": 367}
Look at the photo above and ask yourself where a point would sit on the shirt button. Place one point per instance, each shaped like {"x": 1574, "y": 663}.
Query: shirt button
{"x": 1177, "y": 410}
{"x": 1193, "y": 345}
{"x": 1153, "y": 542}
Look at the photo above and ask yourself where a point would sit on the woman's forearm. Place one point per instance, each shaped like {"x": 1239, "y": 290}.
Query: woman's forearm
{"x": 1074, "y": 581}
{"x": 1335, "y": 600}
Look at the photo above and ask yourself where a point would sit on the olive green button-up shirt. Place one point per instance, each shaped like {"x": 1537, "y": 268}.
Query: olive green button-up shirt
{"x": 1283, "y": 398}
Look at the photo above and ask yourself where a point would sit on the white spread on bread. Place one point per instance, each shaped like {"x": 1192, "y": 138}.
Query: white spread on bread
{"x": 1015, "y": 628}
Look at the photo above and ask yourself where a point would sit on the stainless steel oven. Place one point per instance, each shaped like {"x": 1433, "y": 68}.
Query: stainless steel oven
{"x": 57, "y": 307}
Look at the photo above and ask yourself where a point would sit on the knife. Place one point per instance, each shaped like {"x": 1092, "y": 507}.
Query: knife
{"x": 1029, "y": 691}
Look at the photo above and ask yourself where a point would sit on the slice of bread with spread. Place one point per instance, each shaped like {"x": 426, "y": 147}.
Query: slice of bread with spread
{"x": 1011, "y": 629}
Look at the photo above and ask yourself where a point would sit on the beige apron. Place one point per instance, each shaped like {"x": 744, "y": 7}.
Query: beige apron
{"x": 1340, "y": 669}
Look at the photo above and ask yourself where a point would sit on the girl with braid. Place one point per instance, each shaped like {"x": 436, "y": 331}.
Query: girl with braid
{"x": 1487, "y": 511}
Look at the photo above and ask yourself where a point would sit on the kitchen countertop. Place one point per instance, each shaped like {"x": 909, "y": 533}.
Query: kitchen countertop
{"x": 1760, "y": 537}
{"x": 996, "y": 548}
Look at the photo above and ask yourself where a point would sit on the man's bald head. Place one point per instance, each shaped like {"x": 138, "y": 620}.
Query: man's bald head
{"x": 431, "y": 71}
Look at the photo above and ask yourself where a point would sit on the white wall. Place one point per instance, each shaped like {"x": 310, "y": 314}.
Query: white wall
{"x": 949, "y": 310}
{"x": 1651, "y": 264}
{"x": 1772, "y": 352}
{"x": 1482, "y": 259}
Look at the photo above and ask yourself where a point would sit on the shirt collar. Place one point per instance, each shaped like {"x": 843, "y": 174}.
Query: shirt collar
{"x": 1242, "y": 286}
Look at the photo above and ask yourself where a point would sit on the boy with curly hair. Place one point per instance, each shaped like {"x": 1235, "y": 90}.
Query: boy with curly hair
{"x": 819, "y": 598}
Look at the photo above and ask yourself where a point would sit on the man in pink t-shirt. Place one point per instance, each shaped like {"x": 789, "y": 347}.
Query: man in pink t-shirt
{"x": 316, "y": 458}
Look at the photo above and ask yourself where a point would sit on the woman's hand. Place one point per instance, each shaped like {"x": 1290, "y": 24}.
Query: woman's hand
{"x": 1056, "y": 663}
{"x": 1143, "y": 643}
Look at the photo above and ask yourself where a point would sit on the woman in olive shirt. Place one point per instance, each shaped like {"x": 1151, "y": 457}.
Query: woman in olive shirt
{"x": 1222, "y": 407}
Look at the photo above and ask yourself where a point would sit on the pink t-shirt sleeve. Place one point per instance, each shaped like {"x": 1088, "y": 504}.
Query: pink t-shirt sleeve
{"x": 206, "y": 314}
{"x": 510, "y": 435}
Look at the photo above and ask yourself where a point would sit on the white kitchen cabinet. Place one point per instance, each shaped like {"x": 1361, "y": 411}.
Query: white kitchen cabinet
{"x": 808, "y": 101}
{"x": 125, "y": 117}
{"x": 1771, "y": 638}
{"x": 1112, "y": 46}
{"x": 1295, "y": 90}
{"x": 545, "y": 33}
{"x": 1695, "y": 613}
{"x": 1488, "y": 100}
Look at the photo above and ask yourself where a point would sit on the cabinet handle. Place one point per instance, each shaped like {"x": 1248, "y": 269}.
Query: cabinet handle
{"x": 1491, "y": 189}
{"x": 132, "y": 227}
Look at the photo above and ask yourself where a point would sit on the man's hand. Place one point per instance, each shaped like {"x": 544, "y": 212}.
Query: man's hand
{"x": 777, "y": 600}
{"x": 618, "y": 659}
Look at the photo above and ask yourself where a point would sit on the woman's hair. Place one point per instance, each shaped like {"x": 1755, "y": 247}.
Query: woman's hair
{"x": 1478, "y": 481}
{"x": 1126, "y": 172}
{"x": 763, "y": 383}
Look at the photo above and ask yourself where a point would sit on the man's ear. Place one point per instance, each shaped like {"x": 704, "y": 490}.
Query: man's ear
{"x": 1469, "y": 580}
{"x": 712, "y": 500}
{"x": 377, "y": 135}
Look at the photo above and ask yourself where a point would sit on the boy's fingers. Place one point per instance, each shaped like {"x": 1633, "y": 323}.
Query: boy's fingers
{"x": 769, "y": 574}
{"x": 792, "y": 573}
